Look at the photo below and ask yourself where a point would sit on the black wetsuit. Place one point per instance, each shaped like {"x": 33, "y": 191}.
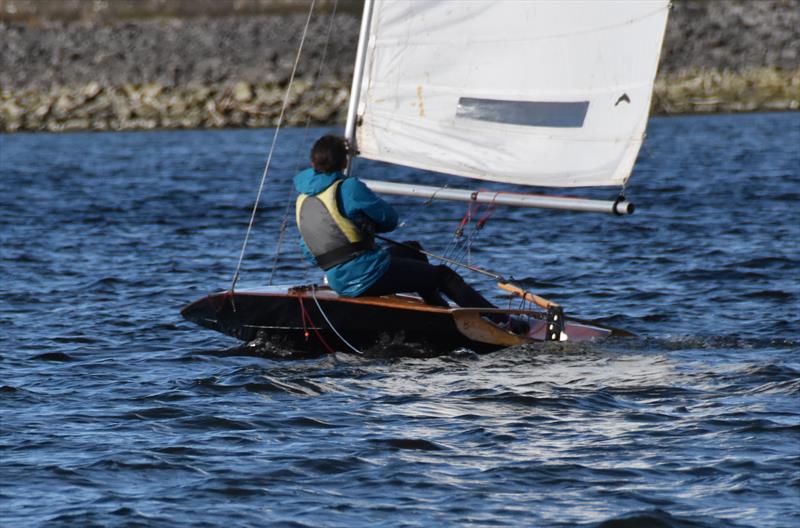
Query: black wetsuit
{"x": 410, "y": 271}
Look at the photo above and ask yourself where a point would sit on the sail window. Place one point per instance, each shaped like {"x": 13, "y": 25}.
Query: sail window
{"x": 526, "y": 113}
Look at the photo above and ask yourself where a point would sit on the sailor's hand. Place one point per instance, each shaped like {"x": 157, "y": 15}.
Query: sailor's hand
{"x": 367, "y": 225}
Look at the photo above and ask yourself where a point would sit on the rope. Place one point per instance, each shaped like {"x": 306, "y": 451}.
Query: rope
{"x": 304, "y": 146}
{"x": 476, "y": 269}
{"x": 306, "y": 317}
{"x": 272, "y": 147}
{"x": 458, "y": 236}
{"x": 460, "y": 247}
{"x": 319, "y": 307}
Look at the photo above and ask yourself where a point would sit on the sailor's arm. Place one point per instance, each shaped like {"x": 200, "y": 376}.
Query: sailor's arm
{"x": 358, "y": 199}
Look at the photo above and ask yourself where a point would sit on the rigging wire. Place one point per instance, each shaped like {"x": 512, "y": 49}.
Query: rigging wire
{"x": 272, "y": 147}
{"x": 319, "y": 307}
{"x": 303, "y": 143}
{"x": 460, "y": 246}
{"x": 477, "y": 229}
{"x": 458, "y": 234}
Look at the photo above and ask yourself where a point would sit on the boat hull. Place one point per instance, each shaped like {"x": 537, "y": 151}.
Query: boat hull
{"x": 317, "y": 320}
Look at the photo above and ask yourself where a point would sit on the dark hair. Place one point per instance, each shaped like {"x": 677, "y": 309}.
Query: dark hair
{"x": 329, "y": 154}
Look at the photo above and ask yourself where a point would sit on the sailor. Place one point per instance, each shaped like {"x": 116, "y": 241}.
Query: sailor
{"x": 337, "y": 216}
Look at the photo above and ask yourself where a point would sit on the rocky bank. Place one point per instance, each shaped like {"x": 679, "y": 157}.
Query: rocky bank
{"x": 195, "y": 72}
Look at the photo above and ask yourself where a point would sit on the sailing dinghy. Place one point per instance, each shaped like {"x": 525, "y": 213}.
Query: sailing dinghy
{"x": 541, "y": 93}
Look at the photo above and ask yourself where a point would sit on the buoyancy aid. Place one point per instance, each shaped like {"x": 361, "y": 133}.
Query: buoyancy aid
{"x": 330, "y": 236}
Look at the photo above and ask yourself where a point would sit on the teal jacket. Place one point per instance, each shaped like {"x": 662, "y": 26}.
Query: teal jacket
{"x": 361, "y": 205}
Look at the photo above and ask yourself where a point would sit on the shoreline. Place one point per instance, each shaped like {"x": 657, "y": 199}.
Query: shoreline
{"x": 146, "y": 130}
{"x": 111, "y": 71}
{"x": 99, "y": 107}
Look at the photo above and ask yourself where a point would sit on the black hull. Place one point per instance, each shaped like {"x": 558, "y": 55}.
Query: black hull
{"x": 292, "y": 317}
{"x": 248, "y": 316}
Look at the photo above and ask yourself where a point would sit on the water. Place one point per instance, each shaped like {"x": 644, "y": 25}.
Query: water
{"x": 116, "y": 412}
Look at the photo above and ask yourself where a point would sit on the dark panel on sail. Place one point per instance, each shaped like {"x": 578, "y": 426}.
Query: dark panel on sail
{"x": 526, "y": 113}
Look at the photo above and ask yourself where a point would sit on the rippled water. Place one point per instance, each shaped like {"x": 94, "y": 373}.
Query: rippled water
{"x": 116, "y": 412}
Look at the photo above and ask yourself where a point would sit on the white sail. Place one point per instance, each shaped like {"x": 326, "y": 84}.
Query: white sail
{"x": 536, "y": 92}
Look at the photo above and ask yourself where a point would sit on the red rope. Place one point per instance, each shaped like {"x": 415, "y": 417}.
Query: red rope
{"x": 303, "y": 316}
{"x": 466, "y": 219}
{"x": 306, "y": 317}
{"x": 486, "y": 216}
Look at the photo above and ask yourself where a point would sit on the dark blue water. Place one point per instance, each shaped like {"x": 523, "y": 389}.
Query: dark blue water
{"x": 116, "y": 412}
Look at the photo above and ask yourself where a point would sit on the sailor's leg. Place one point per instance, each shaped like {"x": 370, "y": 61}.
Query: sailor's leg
{"x": 409, "y": 250}
{"x": 465, "y": 295}
{"x": 457, "y": 289}
{"x": 409, "y": 275}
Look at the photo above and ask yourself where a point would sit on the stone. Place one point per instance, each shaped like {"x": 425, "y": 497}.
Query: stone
{"x": 233, "y": 71}
{"x": 242, "y": 92}
{"x": 64, "y": 104}
{"x": 321, "y": 113}
{"x": 151, "y": 91}
{"x": 91, "y": 90}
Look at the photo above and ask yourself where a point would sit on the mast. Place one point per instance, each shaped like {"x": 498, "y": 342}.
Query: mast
{"x": 358, "y": 74}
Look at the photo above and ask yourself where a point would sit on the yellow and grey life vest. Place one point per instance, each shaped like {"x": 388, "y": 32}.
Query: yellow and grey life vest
{"x": 330, "y": 236}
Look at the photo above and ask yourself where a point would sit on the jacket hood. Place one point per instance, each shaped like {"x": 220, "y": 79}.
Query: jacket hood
{"x": 310, "y": 182}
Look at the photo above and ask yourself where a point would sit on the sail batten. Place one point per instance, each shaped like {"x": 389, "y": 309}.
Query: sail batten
{"x": 544, "y": 93}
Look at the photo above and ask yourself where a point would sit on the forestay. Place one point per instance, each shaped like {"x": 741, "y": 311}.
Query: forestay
{"x": 545, "y": 93}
